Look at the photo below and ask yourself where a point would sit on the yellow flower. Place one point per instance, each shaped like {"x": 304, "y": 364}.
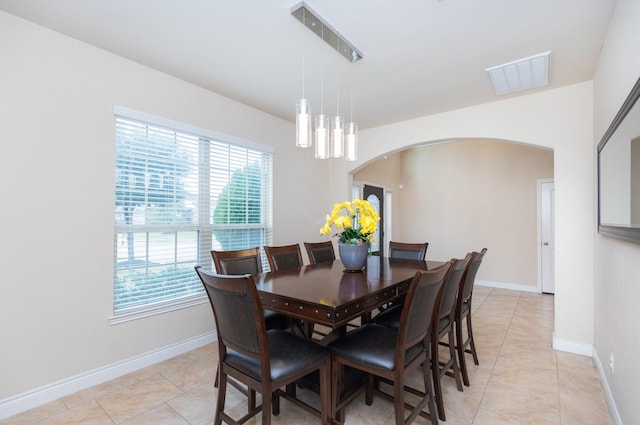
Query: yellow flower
{"x": 346, "y": 215}
{"x": 325, "y": 230}
{"x": 343, "y": 221}
{"x": 367, "y": 224}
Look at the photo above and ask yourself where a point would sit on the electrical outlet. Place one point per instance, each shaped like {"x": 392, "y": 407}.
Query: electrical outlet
{"x": 611, "y": 363}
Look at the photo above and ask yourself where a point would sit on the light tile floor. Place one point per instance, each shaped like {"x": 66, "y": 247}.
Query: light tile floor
{"x": 520, "y": 380}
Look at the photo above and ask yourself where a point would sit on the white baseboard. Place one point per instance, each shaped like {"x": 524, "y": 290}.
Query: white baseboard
{"x": 506, "y": 285}
{"x": 589, "y": 350}
{"x": 48, "y": 393}
{"x": 608, "y": 396}
{"x": 575, "y": 347}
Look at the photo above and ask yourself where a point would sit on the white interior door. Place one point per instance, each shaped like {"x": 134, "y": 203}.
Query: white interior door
{"x": 547, "y": 245}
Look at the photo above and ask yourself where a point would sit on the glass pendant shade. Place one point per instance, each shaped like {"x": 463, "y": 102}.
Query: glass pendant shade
{"x": 337, "y": 137}
{"x": 303, "y": 124}
{"x": 351, "y": 142}
{"x": 322, "y": 136}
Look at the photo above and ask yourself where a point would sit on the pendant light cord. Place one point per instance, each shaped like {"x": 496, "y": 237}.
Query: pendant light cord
{"x": 338, "y": 96}
{"x": 321, "y": 84}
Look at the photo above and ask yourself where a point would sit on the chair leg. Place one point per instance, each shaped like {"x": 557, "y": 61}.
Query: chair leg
{"x": 368, "y": 395}
{"x": 215, "y": 384}
{"x": 326, "y": 410}
{"x": 460, "y": 350}
{"x": 336, "y": 388}
{"x": 454, "y": 360}
{"x": 398, "y": 400}
{"x": 291, "y": 389}
{"x": 437, "y": 387}
{"x": 251, "y": 396}
{"x": 428, "y": 389}
{"x": 222, "y": 393}
{"x": 267, "y": 397}
{"x": 472, "y": 344}
{"x": 275, "y": 403}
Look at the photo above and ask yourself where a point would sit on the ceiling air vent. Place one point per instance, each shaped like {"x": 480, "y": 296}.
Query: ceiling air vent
{"x": 521, "y": 74}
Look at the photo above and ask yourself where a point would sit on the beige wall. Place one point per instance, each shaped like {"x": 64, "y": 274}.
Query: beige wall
{"x": 617, "y": 285}
{"x": 385, "y": 172}
{"x": 462, "y": 196}
{"x": 57, "y": 178}
{"x": 561, "y": 120}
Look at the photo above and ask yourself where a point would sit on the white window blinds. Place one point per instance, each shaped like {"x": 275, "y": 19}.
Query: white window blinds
{"x": 179, "y": 195}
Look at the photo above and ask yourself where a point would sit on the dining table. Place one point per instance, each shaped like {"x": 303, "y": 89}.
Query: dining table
{"x": 328, "y": 295}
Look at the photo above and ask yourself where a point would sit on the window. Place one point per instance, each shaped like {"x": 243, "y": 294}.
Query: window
{"x": 181, "y": 192}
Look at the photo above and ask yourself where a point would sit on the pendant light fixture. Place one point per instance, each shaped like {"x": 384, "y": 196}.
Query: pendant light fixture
{"x": 303, "y": 124}
{"x": 322, "y": 123}
{"x": 351, "y": 141}
{"x": 329, "y": 139}
{"x": 337, "y": 137}
{"x": 303, "y": 111}
{"x": 322, "y": 136}
{"x": 337, "y": 129}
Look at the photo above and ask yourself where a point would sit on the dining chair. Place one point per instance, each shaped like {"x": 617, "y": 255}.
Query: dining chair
{"x": 408, "y": 251}
{"x": 443, "y": 326}
{"x": 445, "y": 319}
{"x": 463, "y": 313}
{"x": 405, "y": 251}
{"x": 247, "y": 261}
{"x": 241, "y": 262}
{"x": 264, "y": 360}
{"x": 320, "y": 252}
{"x": 288, "y": 257}
{"x": 388, "y": 352}
{"x": 285, "y": 257}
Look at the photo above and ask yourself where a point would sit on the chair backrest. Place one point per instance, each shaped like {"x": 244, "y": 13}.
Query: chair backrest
{"x": 237, "y": 311}
{"x": 284, "y": 257}
{"x": 242, "y": 261}
{"x": 469, "y": 277}
{"x": 450, "y": 287}
{"x": 408, "y": 251}
{"x": 320, "y": 252}
{"x": 417, "y": 312}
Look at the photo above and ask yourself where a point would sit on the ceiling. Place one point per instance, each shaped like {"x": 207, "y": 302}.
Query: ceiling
{"x": 420, "y": 57}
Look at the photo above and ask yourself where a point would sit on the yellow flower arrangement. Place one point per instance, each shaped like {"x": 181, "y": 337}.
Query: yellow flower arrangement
{"x": 359, "y": 223}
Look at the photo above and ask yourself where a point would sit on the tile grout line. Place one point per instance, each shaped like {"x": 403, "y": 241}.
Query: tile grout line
{"x": 491, "y": 374}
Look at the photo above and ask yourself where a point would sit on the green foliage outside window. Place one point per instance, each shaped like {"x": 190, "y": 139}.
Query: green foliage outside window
{"x": 240, "y": 202}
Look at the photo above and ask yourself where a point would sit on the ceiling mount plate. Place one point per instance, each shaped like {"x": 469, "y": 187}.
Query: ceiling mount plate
{"x": 322, "y": 29}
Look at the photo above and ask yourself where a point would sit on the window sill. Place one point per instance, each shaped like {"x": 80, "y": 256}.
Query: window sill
{"x": 153, "y": 310}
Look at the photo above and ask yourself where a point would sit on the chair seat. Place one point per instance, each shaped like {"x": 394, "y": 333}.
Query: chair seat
{"x": 275, "y": 320}
{"x": 390, "y": 317}
{"x": 289, "y": 354}
{"x": 464, "y": 308}
{"x": 353, "y": 380}
{"x": 373, "y": 345}
{"x": 444, "y": 323}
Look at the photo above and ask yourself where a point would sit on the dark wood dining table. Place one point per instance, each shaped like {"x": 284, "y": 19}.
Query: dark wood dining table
{"x": 326, "y": 294}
